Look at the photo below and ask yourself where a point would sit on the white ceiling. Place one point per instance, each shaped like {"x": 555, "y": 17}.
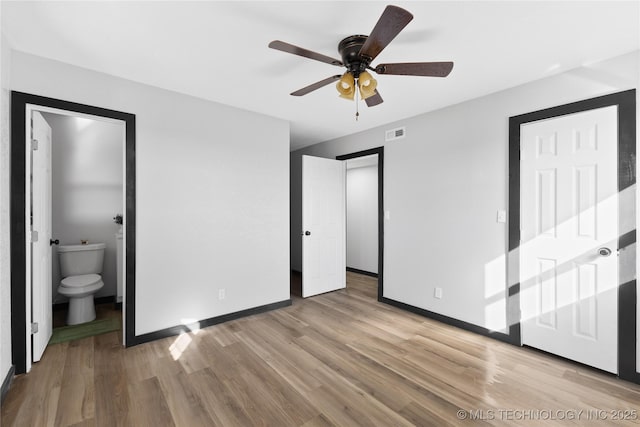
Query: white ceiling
{"x": 218, "y": 50}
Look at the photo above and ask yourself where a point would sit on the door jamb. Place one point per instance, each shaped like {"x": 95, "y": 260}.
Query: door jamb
{"x": 19, "y": 102}
{"x": 627, "y": 292}
{"x": 380, "y": 152}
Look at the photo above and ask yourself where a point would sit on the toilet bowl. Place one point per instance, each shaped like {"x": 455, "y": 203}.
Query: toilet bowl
{"x": 80, "y": 266}
{"x": 80, "y": 290}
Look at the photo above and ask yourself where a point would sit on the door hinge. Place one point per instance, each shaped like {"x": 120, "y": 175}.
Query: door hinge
{"x": 34, "y": 144}
{"x": 34, "y": 236}
{"x": 34, "y": 328}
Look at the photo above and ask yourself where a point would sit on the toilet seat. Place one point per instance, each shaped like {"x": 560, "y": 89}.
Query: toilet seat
{"x": 81, "y": 285}
{"x": 81, "y": 280}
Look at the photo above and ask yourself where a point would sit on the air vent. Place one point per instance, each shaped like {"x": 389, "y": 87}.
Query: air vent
{"x": 393, "y": 134}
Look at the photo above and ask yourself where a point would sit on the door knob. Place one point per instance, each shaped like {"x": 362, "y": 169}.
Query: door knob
{"x": 604, "y": 251}
{"x": 54, "y": 242}
{"x": 307, "y": 233}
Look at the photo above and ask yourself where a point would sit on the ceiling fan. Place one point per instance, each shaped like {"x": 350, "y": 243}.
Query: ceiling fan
{"x": 359, "y": 51}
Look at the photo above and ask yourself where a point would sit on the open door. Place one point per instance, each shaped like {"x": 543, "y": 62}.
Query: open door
{"x": 323, "y": 226}
{"x": 41, "y": 234}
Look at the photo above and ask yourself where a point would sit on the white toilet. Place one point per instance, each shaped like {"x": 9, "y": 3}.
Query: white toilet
{"x": 80, "y": 267}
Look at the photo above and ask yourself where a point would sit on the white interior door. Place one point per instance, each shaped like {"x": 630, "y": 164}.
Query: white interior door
{"x": 323, "y": 225}
{"x": 41, "y": 234}
{"x": 569, "y": 231}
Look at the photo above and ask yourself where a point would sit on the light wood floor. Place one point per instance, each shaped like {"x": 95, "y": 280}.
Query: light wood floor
{"x": 338, "y": 359}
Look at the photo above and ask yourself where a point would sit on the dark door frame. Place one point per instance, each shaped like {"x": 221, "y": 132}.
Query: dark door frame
{"x": 627, "y": 311}
{"x": 19, "y": 102}
{"x": 380, "y": 152}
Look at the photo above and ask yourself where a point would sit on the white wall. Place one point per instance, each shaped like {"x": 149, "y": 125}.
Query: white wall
{"x": 5, "y": 250}
{"x": 212, "y": 194}
{"x": 445, "y": 181}
{"x": 87, "y": 177}
{"x": 362, "y": 218}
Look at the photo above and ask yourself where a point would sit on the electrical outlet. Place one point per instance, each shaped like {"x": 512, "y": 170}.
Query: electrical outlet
{"x": 221, "y": 294}
{"x": 437, "y": 293}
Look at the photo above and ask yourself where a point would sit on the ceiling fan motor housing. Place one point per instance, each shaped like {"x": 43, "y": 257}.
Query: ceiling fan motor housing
{"x": 349, "y": 49}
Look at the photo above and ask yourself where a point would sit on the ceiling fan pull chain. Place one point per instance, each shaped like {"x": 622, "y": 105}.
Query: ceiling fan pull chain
{"x": 357, "y": 99}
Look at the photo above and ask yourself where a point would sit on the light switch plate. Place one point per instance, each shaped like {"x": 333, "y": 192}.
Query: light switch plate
{"x": 502, "y": 216}
{"x": 387, "y": 215}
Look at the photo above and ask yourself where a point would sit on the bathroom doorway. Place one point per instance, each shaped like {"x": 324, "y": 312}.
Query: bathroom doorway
{"x": 362, "y": 215}
{"x": 87, "y": 198}
{"x": 110, "y": 187}
{"x": 374, "y": 213}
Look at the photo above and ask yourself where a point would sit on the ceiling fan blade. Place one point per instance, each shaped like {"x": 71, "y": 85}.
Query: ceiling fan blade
{"x": 392, "y": 21}
{"x": 430, "y": 69}
{"x": 316, "y": 85}
{"x": 289, "y": 48}
{"x": 374, "y": 100}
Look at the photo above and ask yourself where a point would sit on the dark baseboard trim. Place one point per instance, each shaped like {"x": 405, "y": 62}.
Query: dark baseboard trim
{"x": 105, "y": 300}
{"x": 177, "y": 330}
{"x": 6, "y": 384}
{"x": 117, "y": 305}
{"x": 500, "y": 336}
{"x": 366, "y": 273}
{"x": 101, "y": 300}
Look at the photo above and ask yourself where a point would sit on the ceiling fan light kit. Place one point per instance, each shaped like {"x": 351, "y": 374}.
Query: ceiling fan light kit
{"x": 357, "y": 53}
{"x": 367, "y": 85}
{"x": 346, "y": 86}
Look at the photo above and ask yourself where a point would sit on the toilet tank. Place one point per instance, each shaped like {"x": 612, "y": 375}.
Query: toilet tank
{"x": 81, "y": 259}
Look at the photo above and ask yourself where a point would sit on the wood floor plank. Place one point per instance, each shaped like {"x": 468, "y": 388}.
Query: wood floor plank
{"x": 336, "y": 359}
{"x": 85, "y": 423}
{"x": 290, "y": 362}
{"x": 183, "y": 400}
{"x": 258, "y": 383}
{"x": 77, "y": 381}
{"x": 140, "y": 363}
{"x": 112, "y": 405}
{"x": 224, "y": 334}
{"x": 218, "y": 400}
{"x": 36, "y": 402}
{"x": 381, "y": 380}
{"x": 150, "y": 408}
{"x": 344, "y": 403}
{"x": 272, "y": 383}
{"x": 319, "y": 421}
{"x": 190, "y": 352}
{"x": 419, "y": 415}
